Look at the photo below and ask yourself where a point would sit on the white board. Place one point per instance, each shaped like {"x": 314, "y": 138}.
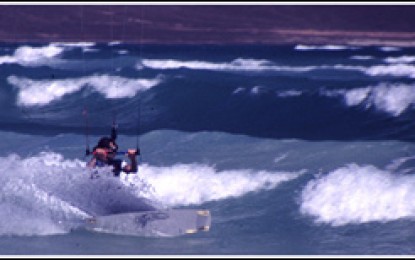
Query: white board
{"x": 170, "y": 222}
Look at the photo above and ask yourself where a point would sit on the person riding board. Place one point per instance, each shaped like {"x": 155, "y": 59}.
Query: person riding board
{"x": 105, "y": 151}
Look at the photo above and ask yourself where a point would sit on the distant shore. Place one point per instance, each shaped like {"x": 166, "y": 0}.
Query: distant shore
{"x": 210, "y": 24}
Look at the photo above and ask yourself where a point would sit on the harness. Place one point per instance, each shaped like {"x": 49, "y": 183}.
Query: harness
{"x": 100, "y": 163}
{"x": 116, "y": 163}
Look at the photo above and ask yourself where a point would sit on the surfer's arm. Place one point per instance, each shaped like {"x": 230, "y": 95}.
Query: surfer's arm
{"x": 98, "y": 154}
{"x": 114, "y": 132}
{"x": 114, "y": 135}
{"x": 132, "y": 167}
{"x": 92, "y": 162}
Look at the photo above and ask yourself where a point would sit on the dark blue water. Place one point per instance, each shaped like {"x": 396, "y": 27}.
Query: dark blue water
{"x": 295, "y": 150}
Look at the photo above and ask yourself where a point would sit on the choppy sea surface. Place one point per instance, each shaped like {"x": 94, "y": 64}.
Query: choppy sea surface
{"x": 294, "y": 149}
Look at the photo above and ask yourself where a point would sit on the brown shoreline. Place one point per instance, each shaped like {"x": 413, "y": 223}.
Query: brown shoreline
{"x": 390, "y": 25}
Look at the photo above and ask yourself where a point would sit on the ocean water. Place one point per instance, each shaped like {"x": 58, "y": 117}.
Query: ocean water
{"x": 294, "y": 149}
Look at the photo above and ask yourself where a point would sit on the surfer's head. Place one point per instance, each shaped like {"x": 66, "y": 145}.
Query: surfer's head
{"x": 104, "y": 142}
{"x": 107, "y": 143}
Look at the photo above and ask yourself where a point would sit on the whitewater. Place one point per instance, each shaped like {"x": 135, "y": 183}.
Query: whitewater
{"x": 294, "y": 149}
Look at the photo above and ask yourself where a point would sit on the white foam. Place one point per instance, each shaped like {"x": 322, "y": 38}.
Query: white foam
{"x": 45, "y": 191}
{"x": 355, "y": 97}
{"x": 113, "y": 43}
{"x": 361, "y": 57}
{"x": 48, "y": 55}
{"x": 390, "y": 98}
{"x": 398, "y": 67}
{"x": 302, "y": 47}
{"x": 239, "y": 90}
{"x": 122, "y": 52}
{"x": 238, "y": 65}
{"x": 397, "y": 163}
{"x": 393, "y": 99}
{"x": 74, "y": 44}
{"x": 34, "y": 56}
{"x": 401, "y": 59}
{"x": 235, "y": 65}
{"x": 85, "y": 46}
{"x": 397, "y": 70}
{"x": 119, "y": 87}
{"x": 7, "y": 59}
{"x": 256, "y": 90}
{"x": 41, "y": 198}
{"x": 185, "y": 184}
{"x": 176, "y": 64}
{"x": 25, "y": 223}
{"x": 280, "y": 158}
{"x": 48, "y": 194}
{"x": 358, "y": 194}
{"x": 42, "y": 92}
{"x": 26, "y": 196}
{"x": 389, "y": 48}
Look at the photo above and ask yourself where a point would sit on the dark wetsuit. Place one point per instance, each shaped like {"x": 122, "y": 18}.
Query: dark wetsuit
{"x": 116, "y": 164}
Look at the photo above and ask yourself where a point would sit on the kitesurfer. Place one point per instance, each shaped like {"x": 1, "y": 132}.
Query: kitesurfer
{"x": 105, "y": 151}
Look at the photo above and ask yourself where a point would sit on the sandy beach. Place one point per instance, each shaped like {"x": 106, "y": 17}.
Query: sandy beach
{"x": 210, "y": 24}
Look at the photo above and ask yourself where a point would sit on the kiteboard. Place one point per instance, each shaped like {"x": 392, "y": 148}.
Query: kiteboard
{"x": 169, "y": 222}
